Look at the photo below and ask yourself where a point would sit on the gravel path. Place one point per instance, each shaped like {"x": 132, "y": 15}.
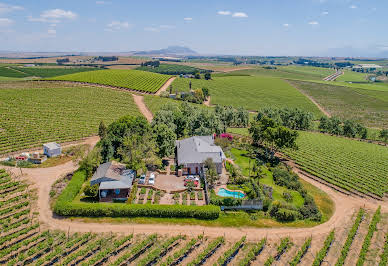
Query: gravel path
{"x": 43, "y": 179}
{"x": 165, "y": 86}
{"x": 139, "y": 101}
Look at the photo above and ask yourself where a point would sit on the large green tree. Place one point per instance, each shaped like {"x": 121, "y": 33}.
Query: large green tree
{"x": 165, "y": 139}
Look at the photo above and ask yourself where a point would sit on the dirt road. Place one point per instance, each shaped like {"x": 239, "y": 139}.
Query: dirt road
{"x": 44, "y": 178}
{"x": 165, "y": 86}
{"x": 139, "y": 100}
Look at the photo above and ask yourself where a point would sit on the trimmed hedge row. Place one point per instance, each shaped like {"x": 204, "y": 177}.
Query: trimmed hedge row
{"x": 65, "y": 207}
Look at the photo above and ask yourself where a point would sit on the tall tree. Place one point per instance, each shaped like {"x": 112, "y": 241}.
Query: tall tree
{"x": 211, "y": 172}
{"x": 102, "y": 130}
{"x": 165, "y": 139}
{"x": 384, "y": 134}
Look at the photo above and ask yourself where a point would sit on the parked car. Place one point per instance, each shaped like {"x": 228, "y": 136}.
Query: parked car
{"x": 142, "y": 179}
{"x": 151, "y": 179}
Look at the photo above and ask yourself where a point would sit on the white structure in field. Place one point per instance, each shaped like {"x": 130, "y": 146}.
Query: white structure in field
{"x": 52, "y": 149}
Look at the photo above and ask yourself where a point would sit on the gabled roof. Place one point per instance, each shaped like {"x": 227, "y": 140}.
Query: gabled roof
{"x": 52, "y": 145}
{"x": 113, "y": 175}
{"x": 197, "y": 149}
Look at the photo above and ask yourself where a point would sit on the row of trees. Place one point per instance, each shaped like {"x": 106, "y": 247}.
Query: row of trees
{"x": 293, "y": 118}
{"x": 348, "y": 128}
{"x": 150, "y": 63}
{"x": 232, "y": 117}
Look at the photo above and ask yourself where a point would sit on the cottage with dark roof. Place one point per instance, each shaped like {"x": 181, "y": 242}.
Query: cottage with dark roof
{"x": 192, "y": 153}
{"x": 114, "y": 180}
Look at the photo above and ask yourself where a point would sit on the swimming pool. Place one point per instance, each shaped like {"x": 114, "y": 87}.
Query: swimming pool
{"x": 226, "y": 193}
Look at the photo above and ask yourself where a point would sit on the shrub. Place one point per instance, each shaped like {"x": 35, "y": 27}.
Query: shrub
{"x": 65, "y": 207}
{"x": 91, "y": 191}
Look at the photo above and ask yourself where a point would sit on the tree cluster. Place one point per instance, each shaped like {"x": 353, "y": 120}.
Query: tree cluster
{"x": 265, "y": 132}
{"x": 293, "y": 118}
{"x": 107, "y": 58}
{"x": 62, "y": 61}
{"x": 347, "y": 128}
{"x": 232, "y": 117}
{"x": 384, "y": 134}
{"x": 151, "y": 63}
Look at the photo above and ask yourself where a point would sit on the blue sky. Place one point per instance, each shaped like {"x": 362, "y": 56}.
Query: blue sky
{"x": 246, "y": 27}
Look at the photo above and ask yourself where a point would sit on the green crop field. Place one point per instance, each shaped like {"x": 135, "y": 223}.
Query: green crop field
{"x": 154, "y": 103}
{"x": 290, "y": 72}
{"x": 171, "y": 69}
{"x": 349, "y": 164}
{"x": 9, "y": 72}
{"x": 252, "y": 93}
{"x": 366, "y": 106}
{"x": 351, "y": 76}
{"x": 130, "y": 79}
{"x": 34, "y": 113}
{"x": 51, "y": 72}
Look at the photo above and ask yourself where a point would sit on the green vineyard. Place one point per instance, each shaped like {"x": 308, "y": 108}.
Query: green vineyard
{"x": 129, "y": 79}
{"x": 51, "y": 72}
{"x": 349, "y": 164}
{"x": 32, "y": 114}
{"x": 25, "y": 241}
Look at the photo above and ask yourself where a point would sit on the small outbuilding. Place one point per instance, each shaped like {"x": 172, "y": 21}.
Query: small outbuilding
{"x": 52, "y": 149}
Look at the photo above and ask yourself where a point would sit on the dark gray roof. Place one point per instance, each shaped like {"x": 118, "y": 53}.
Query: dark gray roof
{"x": 112, "y": 175}
{"x": 197, "y": 149}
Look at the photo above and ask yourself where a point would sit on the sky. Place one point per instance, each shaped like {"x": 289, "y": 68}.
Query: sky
{"x": 229, "y": 27}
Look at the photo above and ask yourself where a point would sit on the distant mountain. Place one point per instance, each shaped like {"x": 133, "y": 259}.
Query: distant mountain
{"x": 171, "y": 50}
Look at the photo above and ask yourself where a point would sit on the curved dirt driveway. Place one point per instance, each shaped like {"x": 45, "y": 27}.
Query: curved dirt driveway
{"x": 139, "y": 101}
{"x": 45, "y": 177}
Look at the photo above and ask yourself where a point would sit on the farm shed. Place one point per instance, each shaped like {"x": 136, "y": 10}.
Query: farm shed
{"x": 192, "y": 153}
{"x": 114, "y": 180}
{"x": 52, "y": 149}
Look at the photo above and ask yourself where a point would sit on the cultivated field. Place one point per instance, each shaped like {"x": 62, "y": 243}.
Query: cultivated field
{"x": 349, "y": 164}
{"x": 171, "y": 69}
{"x": 12, "y": 73}
{"x": 33, "y": 113}
{"x": 50, "y": 72}
{"x": 252, "y": 93}
{"x": 130, "y": 79}
{"x": 366, "y": 106}
{"x": 351, "y": 76}
{"x": 25, "y": 241}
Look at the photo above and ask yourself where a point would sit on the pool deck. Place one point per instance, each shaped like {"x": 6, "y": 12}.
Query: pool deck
{"x": 231, "y": 190}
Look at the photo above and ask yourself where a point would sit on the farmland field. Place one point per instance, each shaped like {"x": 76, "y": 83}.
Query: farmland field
{"x": 130, "y": 79}
{"x": 50, "y": 72}
{"x": 154, "y": 103}
{"x": 349, "y": 164}
{"x": 171, "y": 69}
{"x": 252, "y": 93}
{"x": 351, "y": 76}
{"x": 366, "y": 106}
{"x": 291, "y": 72}
{"x": 24, "y": 241}
{"x": 33, "y": 113}
{"x": 9, "y": 72}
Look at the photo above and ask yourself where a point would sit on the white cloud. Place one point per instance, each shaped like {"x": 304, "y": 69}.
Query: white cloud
{"x": 5, "y": 8}
{"x": 314, "y": 23}
{"x": 353, "y": 7}
{"x": 239, "y": 15}
{"x": 188, "y": 19}
{"x": 102, "y": 2}
{"x": 286, "y": 25}
{"x": 159, "y": 28}
{"x": 224, "y": 13}
{"x": 325, "y": 13}
{"x": 5, "y": 22}
{"x": 117, "y": 25}
{"x": 52, "y": 31}
{"x": 54, "y": 16}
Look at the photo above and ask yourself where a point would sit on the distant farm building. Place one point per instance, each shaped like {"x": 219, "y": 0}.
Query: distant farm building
{"x": 52, "y": 149}
{"x": 367, "y": 66}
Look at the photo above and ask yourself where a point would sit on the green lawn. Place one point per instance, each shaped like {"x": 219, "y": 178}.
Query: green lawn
{"x": 369, "y": 107}
{"x": 252, "y": 93}
{"x": 243, "y": 162}
{"x": 349, "y": 164}
{"x": 33, "y": 113}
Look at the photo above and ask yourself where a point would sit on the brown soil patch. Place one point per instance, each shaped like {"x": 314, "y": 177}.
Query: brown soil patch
{"x": 142, "y": 107}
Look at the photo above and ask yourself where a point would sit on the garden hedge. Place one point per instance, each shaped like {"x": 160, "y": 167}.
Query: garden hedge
{"x": 66, "y": 207}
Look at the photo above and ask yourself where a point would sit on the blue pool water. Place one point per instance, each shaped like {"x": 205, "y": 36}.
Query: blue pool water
{"x": 226, "y": 193}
